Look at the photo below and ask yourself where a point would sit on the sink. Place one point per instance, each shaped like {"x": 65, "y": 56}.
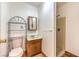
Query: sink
{"x": 33, "y": 37}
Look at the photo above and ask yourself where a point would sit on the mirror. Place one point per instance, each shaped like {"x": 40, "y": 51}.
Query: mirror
{"x": 32, "y": 23}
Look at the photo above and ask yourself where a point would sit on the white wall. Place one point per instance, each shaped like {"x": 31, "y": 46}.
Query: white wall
{"x": 9, "y": 10}
{"x": 24, "y": 10}
{"x": 46, "y": 27}
{"x": 71, "y": 11}
{"x": 0, "y": 19}
{"x": 4, "y": 33}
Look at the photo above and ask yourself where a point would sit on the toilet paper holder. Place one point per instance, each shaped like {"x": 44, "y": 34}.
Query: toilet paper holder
{"x": 3, "y": 41}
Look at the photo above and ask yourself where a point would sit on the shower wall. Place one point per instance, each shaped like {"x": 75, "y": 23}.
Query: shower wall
{"x": 60, "y": 35}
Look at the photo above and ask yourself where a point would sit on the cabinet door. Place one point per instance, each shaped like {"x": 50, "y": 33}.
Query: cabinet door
{"x": 33, "y": 47}
{"x": 30, "y": 49}
{"x": 37, "y": 47}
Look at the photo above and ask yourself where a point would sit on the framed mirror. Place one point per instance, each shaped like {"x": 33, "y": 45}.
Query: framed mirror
{"x": 32, "y": 23}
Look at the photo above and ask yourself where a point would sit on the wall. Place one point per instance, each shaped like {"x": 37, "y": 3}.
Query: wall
{"x": 0, "y": 19}
{"x": 9, "y": 10}
{"x": 4, "y": 33}
{"x": 71, "y": 11}
{"x": 24, "y": 10}
{"x": 46, "y": 27}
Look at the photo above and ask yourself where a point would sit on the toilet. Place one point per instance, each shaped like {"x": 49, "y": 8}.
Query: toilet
{"x": 17, "y": 50}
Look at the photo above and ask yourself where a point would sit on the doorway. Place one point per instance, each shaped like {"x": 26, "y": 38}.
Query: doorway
{"x": 60, "y": 35}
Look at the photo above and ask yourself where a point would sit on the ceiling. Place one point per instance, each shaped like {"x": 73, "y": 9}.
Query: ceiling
{"x": 37, "y": 4}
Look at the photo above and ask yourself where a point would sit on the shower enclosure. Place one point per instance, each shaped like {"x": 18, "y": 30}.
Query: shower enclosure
{"x": 16, "y": 33}
{"x": 60, "y": 35}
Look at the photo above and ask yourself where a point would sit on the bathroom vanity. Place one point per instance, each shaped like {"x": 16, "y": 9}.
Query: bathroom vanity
{"x": 34, "y": 46}
{"x": 34, "y": 42}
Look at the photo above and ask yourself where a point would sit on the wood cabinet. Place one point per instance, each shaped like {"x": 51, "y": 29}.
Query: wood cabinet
{"x": 33, "y": 47}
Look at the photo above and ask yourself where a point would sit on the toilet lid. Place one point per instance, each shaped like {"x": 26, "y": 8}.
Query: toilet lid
{"x": 16, "y": 52}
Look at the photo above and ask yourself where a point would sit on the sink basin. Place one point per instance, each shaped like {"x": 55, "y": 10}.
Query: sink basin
{"x": 34, "y": 37}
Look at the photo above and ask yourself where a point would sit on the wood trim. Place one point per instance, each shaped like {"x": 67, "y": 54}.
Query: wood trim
{"x": 69, "y": 54}
{"x": 44, "y": 54}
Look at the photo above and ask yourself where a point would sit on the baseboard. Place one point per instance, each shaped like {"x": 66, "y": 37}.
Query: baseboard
{"x": 61, "y": 53}
{"x": 66, "y": 53}
{"x": 44, "y": 54}
{"x": 70, "y": 54}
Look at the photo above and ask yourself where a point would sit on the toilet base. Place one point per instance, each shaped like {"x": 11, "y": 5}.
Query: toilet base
{"x": 16, "y": 52}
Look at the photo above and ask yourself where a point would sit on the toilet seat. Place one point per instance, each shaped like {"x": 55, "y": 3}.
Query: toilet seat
{"x": 16, "y": 52}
